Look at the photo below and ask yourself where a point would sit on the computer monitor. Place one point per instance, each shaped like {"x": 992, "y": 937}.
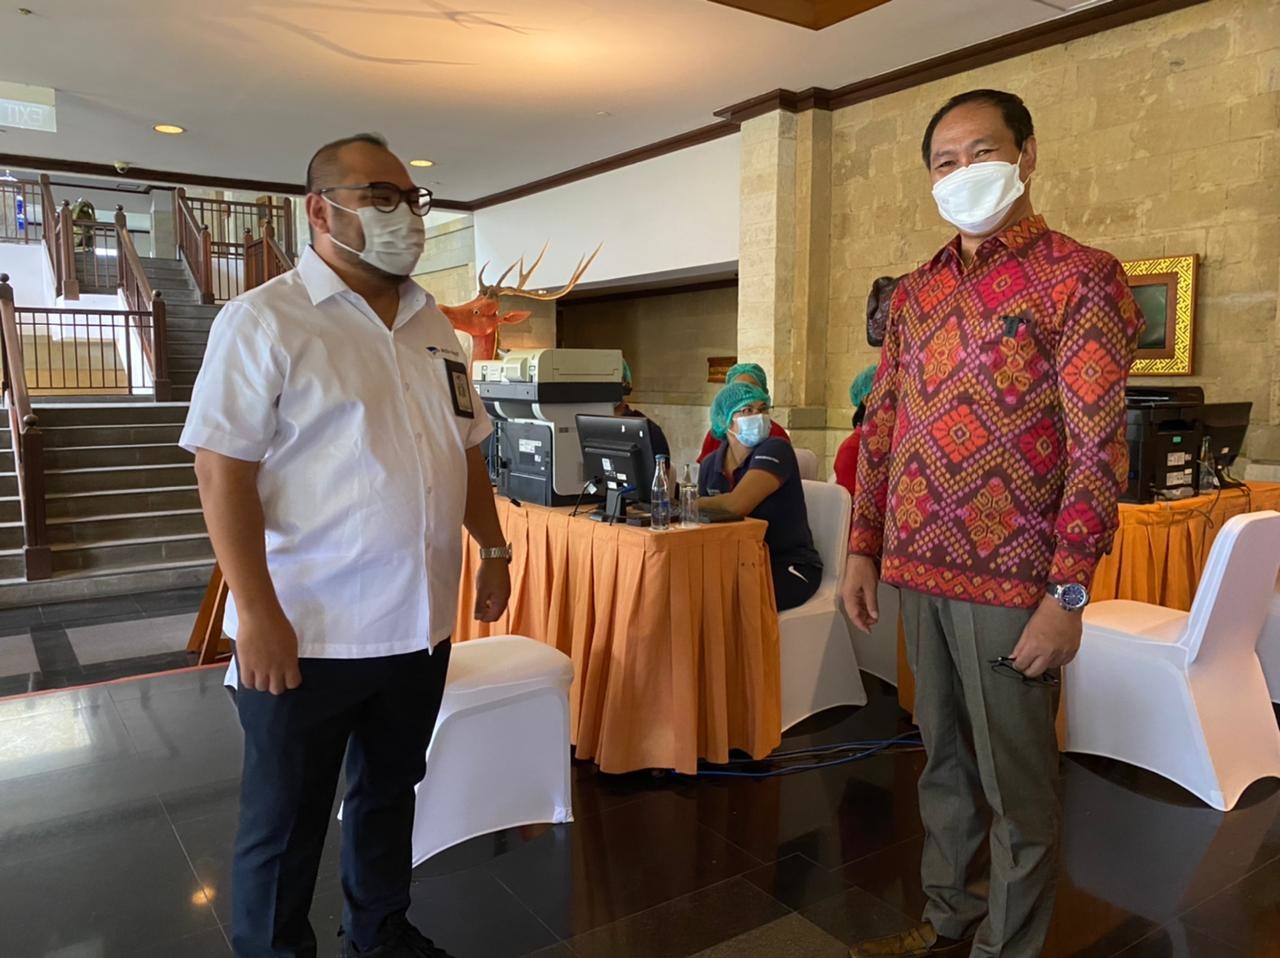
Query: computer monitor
{"x": 1224, "y": 425}
{"x": 618, "y": 451}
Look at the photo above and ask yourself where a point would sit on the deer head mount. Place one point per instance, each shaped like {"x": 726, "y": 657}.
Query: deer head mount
{"x": 482, "y": 316}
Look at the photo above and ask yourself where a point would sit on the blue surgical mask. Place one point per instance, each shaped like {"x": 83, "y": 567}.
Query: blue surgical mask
{"x": 752, "y": 430}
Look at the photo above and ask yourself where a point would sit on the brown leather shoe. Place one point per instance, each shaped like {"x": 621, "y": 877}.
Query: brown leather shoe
{"x": 918, "y": 942}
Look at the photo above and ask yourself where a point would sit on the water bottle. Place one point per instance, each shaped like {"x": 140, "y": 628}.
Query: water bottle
{"x": 660, "y": 495}
{"x": 688, "y": 497}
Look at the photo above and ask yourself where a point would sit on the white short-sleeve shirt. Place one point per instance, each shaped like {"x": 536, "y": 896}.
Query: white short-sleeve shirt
{"x": 361, "y": 432}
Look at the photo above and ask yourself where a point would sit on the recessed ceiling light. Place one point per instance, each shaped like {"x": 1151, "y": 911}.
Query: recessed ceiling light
{"x": 172, "y": 129}
{"x": 421, "y": 163}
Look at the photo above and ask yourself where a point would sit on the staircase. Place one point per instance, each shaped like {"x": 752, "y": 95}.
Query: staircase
{"x": 123, "y": 508}
{"x": 121, "y": 498}
{"x": 188, "y": 321}
{"x": 97, "y": 274}
{"x": 12, "y": 565}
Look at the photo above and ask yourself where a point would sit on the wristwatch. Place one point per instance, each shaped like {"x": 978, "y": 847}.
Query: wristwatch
{"x": 496, "y": 552}
{"x": 1072, "y": 597}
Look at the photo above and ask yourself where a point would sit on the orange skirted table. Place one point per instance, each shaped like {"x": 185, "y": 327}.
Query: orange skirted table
{"x": 1159, "y": 553}
{"x": 673, "y": 635}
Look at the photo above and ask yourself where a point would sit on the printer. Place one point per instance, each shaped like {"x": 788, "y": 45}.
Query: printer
{"x": 534, "y": 397}
{"x": 1163, "y": 429}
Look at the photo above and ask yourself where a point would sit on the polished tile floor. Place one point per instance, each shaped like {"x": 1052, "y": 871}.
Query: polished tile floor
{"x": 118, "y": 805}
{"x": 69, "y": 644}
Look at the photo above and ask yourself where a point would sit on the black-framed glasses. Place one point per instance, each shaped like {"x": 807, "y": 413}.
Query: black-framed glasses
{"x": 387, "y": 197}
{"x": 1004, "y": 666}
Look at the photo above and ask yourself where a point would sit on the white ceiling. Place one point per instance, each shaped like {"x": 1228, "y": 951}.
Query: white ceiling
{"x": 497, "y": 92}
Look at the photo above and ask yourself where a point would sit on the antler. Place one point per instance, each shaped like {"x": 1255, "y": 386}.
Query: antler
{"x": 497, "y": 289}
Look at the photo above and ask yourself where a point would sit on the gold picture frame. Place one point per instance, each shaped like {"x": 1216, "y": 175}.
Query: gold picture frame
{"x": 1165, "y": 289}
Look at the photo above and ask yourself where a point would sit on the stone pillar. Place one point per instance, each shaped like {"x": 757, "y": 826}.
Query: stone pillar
{"x": 784, "y": 263}
{"x": 164, "y": 237}
{"x": 766, "y": 252}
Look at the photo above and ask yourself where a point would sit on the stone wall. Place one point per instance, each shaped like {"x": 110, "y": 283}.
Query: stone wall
{"x": 1159, "y": 138}
{"x": 447, "y": 268}
{"x": 667, "y": 340}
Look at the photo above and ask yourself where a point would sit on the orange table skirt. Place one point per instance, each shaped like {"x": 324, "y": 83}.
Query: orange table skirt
{"x": 1158, "y": 556}
{"x": 673, "y": 635}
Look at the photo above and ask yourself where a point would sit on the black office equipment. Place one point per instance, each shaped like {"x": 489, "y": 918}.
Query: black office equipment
{"x": 1224, "y": 426}
{"x": 532, "y": 396}
{"x": 1163, "y": 431}
{"x": 1163, "y": 396}
{"x": 617, "y": 450}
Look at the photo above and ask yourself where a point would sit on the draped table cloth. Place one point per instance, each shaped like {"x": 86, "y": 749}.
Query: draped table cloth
{"x": 673, "y": 635}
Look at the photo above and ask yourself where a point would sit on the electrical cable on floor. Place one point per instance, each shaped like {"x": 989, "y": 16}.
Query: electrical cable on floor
{"x": 908, "y": 741}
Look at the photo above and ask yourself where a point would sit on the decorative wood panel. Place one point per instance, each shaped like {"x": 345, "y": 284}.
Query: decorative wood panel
{"x": 814, "y": 14}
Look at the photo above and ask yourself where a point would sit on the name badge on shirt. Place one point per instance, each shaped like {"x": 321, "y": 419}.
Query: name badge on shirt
{"x": 461, "y": 391}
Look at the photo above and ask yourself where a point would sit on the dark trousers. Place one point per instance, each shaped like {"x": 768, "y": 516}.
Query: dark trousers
{"x": 795, "y": 583}
{"x": 989, "y": 790}
{"x": 380, "y": 714}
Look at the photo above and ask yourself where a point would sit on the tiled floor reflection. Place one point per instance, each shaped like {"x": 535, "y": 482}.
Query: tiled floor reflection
{"x": 118, "y": 805}
{"x": 69, "y": 644}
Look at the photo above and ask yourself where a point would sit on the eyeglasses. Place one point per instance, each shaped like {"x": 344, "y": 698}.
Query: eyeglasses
{"x": 1004, "y": 666}
{"x": 387, "y": 197}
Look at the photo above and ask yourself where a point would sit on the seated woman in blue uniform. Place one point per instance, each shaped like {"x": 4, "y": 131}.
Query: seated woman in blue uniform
{"x": 753, "y": 474}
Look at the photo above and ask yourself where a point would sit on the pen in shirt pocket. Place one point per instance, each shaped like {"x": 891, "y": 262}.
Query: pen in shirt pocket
{"x": 1013, "y": 323}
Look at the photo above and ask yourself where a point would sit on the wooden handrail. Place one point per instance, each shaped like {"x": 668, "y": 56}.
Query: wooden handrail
{"x": 196, "y": 244}
{"x": 15, "y": 379}
{"x": 290, "y": 246}
{"x": 27, "y": 441}
{"x": 140, "y": 296}
{"x": 49, "y": 221}
{"x": 281, "y": 262}
{"x": 263, "y": 257}
{"x": 228, "y": 219}
{"x": 66, "y": 269}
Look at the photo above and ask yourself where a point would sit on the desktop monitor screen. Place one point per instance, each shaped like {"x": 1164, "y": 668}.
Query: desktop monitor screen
{"x": 619, "y": 450}
{"x": 1224, "y": 425}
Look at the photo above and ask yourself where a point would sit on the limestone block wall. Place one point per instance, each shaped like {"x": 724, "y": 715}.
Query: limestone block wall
{"x": 667, "y": 340}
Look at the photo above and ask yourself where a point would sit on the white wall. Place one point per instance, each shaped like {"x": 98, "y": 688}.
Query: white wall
{"x": 672, "y": 212}
{"x": 28, "y": 269}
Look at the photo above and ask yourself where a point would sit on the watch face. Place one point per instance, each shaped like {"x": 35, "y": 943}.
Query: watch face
{"x": 1073, "y": 596}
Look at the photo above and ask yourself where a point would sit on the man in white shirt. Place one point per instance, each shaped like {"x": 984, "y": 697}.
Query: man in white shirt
{"x": 337, "y": 440}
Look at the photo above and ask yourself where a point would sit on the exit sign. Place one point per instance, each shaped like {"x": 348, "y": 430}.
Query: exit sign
{"x": 26, "y": 107}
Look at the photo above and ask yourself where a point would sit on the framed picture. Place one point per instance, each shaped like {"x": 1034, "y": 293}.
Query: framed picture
{"x": 718, "y": 367}
{"x": 1166, "y": 293}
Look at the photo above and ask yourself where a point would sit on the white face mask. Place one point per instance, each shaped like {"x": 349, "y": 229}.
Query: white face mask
{"x": 975, "y": 198}
{"x": 393, "y": 242}
{"x": 752, "y": 430}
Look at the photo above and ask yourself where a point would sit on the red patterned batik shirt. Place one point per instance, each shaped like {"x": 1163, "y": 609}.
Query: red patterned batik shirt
{"x": 993, "y": 449}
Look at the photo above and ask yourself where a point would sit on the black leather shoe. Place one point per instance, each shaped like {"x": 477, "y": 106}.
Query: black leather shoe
{"x": 400, "y": 940}
{"x": 918, "y": 942}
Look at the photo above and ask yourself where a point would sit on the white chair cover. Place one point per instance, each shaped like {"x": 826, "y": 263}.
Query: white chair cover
{"x": 499, "y": 757}
{"x": 1183, "y": 694}
{"x": 807, "y": 460}
{"x": 819, "y": 669}
{"x": 1269, "y": 647}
